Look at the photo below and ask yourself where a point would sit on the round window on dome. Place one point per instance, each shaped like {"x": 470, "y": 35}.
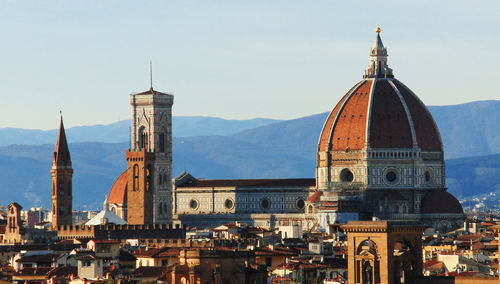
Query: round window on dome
{"x": 229, "y": 204}
{"x": 391, "y": 176}
{"x": 346, "y": 175}
{"x": 193, "y": 204}
{"x": 300, "y": 203}
{"x": 265, "y": 204}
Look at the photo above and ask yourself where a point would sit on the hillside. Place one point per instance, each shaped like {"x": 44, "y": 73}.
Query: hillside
{"x": 276, "y": 150}
{"x": 183, "y": 126}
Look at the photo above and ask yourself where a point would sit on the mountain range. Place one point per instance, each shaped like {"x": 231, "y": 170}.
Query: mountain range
{"x": 259, "y": 148}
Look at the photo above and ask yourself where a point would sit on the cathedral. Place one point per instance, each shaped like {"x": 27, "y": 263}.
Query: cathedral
{"x": 379, "y": 155}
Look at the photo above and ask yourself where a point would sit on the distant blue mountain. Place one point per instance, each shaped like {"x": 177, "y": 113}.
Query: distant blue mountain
{"x": 275, "y": 150}
{"x": 183, "y": 126}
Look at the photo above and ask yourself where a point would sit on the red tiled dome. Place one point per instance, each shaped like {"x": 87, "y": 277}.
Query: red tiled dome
{"x": 440, "y": 202}
{"x": 118, "y": 192}
{"x": 379, "y": 113}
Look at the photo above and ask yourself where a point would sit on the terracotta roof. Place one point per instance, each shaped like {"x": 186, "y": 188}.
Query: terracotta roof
{"x": 315, "y": 197}
{"x": 151, "y": 91}
{"x": 383, "y": 102}
{"x": 440, "y": 201}
{"x": 389, "y": 126}
{"x": 150, "y": 252}
{"x": 118, "y": 192}
{"x": 170, "y": 252}
{"x": 306, "y": 182}
{"x": 428, "y": 137}
{"x": 325, "y": 133}
{"x": 349, "y": 128}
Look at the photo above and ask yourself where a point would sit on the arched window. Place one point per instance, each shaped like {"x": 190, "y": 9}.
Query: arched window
{"x": 136, "y": 178}
{"x": 143, "y": 138}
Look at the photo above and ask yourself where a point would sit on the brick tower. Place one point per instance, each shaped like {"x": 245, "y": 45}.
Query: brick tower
{"x": 384, "y": 252}
{"x": 149, "y": 185}
{"x": 62, "y": 174}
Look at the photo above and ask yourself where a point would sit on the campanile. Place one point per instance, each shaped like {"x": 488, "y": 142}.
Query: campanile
{"x": 62, "y": 175}
{"x": 149, "y": 159}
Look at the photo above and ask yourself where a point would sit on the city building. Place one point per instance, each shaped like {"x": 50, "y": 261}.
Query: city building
{"x": 379, "y": 154}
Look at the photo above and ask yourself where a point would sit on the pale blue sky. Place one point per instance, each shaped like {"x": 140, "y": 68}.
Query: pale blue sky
{"x": 234, "y": 59}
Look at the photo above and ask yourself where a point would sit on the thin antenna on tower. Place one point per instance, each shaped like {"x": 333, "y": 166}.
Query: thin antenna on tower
{"x": 151, "y": 74}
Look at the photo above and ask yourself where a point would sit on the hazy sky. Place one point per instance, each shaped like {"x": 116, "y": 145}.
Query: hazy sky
{"x": 234, "y": 59}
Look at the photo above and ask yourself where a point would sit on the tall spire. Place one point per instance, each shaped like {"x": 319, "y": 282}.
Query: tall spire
{"x": 378, "y": 60}
{"x": 61, "y": 152}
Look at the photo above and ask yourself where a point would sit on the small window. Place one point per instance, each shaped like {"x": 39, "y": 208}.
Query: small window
{"x": 193, "y": 204}
{"x": 300, "y": 204}
{"x": 391, "y": 176}
{"x": 265, "y": 204}
{"x": 229, "y": 204}
{"x": 346, "y": 175}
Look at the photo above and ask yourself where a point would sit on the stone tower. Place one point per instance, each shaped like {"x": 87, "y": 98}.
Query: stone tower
{"x": 384, "y": 252}
{"x": 62, "y": 174}
{"x": 149, "y": 185}
{"x": 13, "y": 232}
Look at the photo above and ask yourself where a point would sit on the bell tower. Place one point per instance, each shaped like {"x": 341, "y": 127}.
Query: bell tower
{"x": 149, "y": 194}
{"x": 62, "y": 175}
{"x": 384, "y": 251}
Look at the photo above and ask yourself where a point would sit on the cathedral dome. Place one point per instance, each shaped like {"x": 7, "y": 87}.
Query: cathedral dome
{"x": 440, "y": 202}
{"x": 379, "y": 112}
{"x": 118, "y": 192}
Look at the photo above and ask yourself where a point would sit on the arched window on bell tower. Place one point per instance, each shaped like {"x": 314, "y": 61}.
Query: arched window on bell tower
{"x": 143, "y": 138}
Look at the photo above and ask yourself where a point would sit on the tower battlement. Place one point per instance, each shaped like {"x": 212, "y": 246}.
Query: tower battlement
{"x": 120, "y": 232}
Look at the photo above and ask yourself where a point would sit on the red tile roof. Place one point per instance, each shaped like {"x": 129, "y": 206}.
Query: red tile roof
{"x": 428, "y": 137}
{"x": 151, "y": 91}
{"x": 118, "y": 192}
{"x": 389, "y": 123}
{"x": 315, "y": 197}
{"x": 440, "y": 201}
{"x": 389, "y": 126}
